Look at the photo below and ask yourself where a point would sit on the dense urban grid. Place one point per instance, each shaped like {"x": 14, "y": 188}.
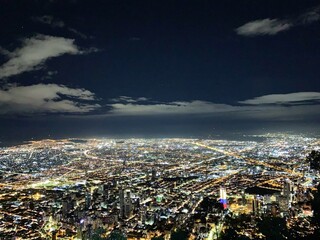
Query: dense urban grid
{"x": 156, "y": 188}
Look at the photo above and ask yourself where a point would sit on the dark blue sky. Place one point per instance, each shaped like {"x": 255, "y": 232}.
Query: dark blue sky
{"x": 158, "y": 68}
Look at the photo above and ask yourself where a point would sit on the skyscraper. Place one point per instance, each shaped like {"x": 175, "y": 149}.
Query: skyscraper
{"x": 256, "y": 205}
{"x": 128, "y": 204}
{"x": 288, "y": 189}
{"x": 153, "y": 174}
{"x": 223, "y": 197}
{"x": 125, "y": 203}
{"x": 121, "y": 199}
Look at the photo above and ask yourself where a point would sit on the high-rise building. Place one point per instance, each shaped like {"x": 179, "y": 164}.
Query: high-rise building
{"x": 153, "y": 174}
{"x": 288, "y": 190}
{"x": 223, "y": 197}
{"x": 128, "y": 204}
{"x": 143, "y": 214}
{"x": 125, "y": 203}
{"x": 284, "y": 203}
{"x": 121, "y": 200}
{"x": 88, "y": 200}
{"x": 256, "y": 206}
{"x": 243, "y": 198}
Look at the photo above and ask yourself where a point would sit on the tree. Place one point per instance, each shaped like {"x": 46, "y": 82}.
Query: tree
{"x": 316, "y": 212}
{"x": 314, "y": 159}
{"x": 235, "y": 225}
{"x": 179, "y": 235}
{"x": 97, "y": 235}
{"x": 116, "y": 235}
{"x": 157, "y": 238}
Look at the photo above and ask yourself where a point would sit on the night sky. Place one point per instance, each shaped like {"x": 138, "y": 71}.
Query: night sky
{"x": 158, "y": 68}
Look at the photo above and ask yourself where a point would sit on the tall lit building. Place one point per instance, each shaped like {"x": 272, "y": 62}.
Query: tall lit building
{"x": 288, "y": 190}
{"x": 223, "y": 197}
{"x": 256, "y": 205}
{"x": 88, "y": 200}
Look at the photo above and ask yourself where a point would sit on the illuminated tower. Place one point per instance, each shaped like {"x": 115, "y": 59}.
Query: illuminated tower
{"x": 223, "y": 197}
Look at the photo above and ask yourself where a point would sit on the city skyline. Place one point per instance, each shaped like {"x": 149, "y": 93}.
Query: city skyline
{"x": 152, "y": 189}
{"x": 158, "y": 69}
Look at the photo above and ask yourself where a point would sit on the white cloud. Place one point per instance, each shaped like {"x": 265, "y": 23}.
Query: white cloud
{"x": 44, "y": 98}
{"x": 290, "y": 98}
{"x": 193, "y": 107}
{"x": 263, "y": 27}
{"x": 266, "y": 107}
{"x": 273, "y": 26}
{"x": 126, "y": 99}
{"x": 53, "y": 98}
{"x": 35, "y": 51}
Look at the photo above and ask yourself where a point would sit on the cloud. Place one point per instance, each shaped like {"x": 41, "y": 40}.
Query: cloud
{"x": 290, "y": 98}
{"x": 50, "y": 20}
{"x": 263, "y": 27}
{"x": 49, "y": 75}
{"x": 47, "y": 19}
{"x": 310, "y": 16}
{"x": 45, "y": 98}
{"x": 53, "y": 98}
{"x": 171, "y": 108}
{"x": 35, "y": 51}
{"x": 4, "y": 52}
{"x": 273, "y": 26}
{"x": 126, "y": 99}
{"x": 80, "y": 34}
{"x": 274, "y": 107}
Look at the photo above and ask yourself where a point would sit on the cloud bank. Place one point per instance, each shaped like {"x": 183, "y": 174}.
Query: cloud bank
{"x": 290, "y": 98}
{"x": 45, "y": 98}
{"x": 170, "y": 108}
{"x": 292, "y": 106}
{"x": 53, "y": 98}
